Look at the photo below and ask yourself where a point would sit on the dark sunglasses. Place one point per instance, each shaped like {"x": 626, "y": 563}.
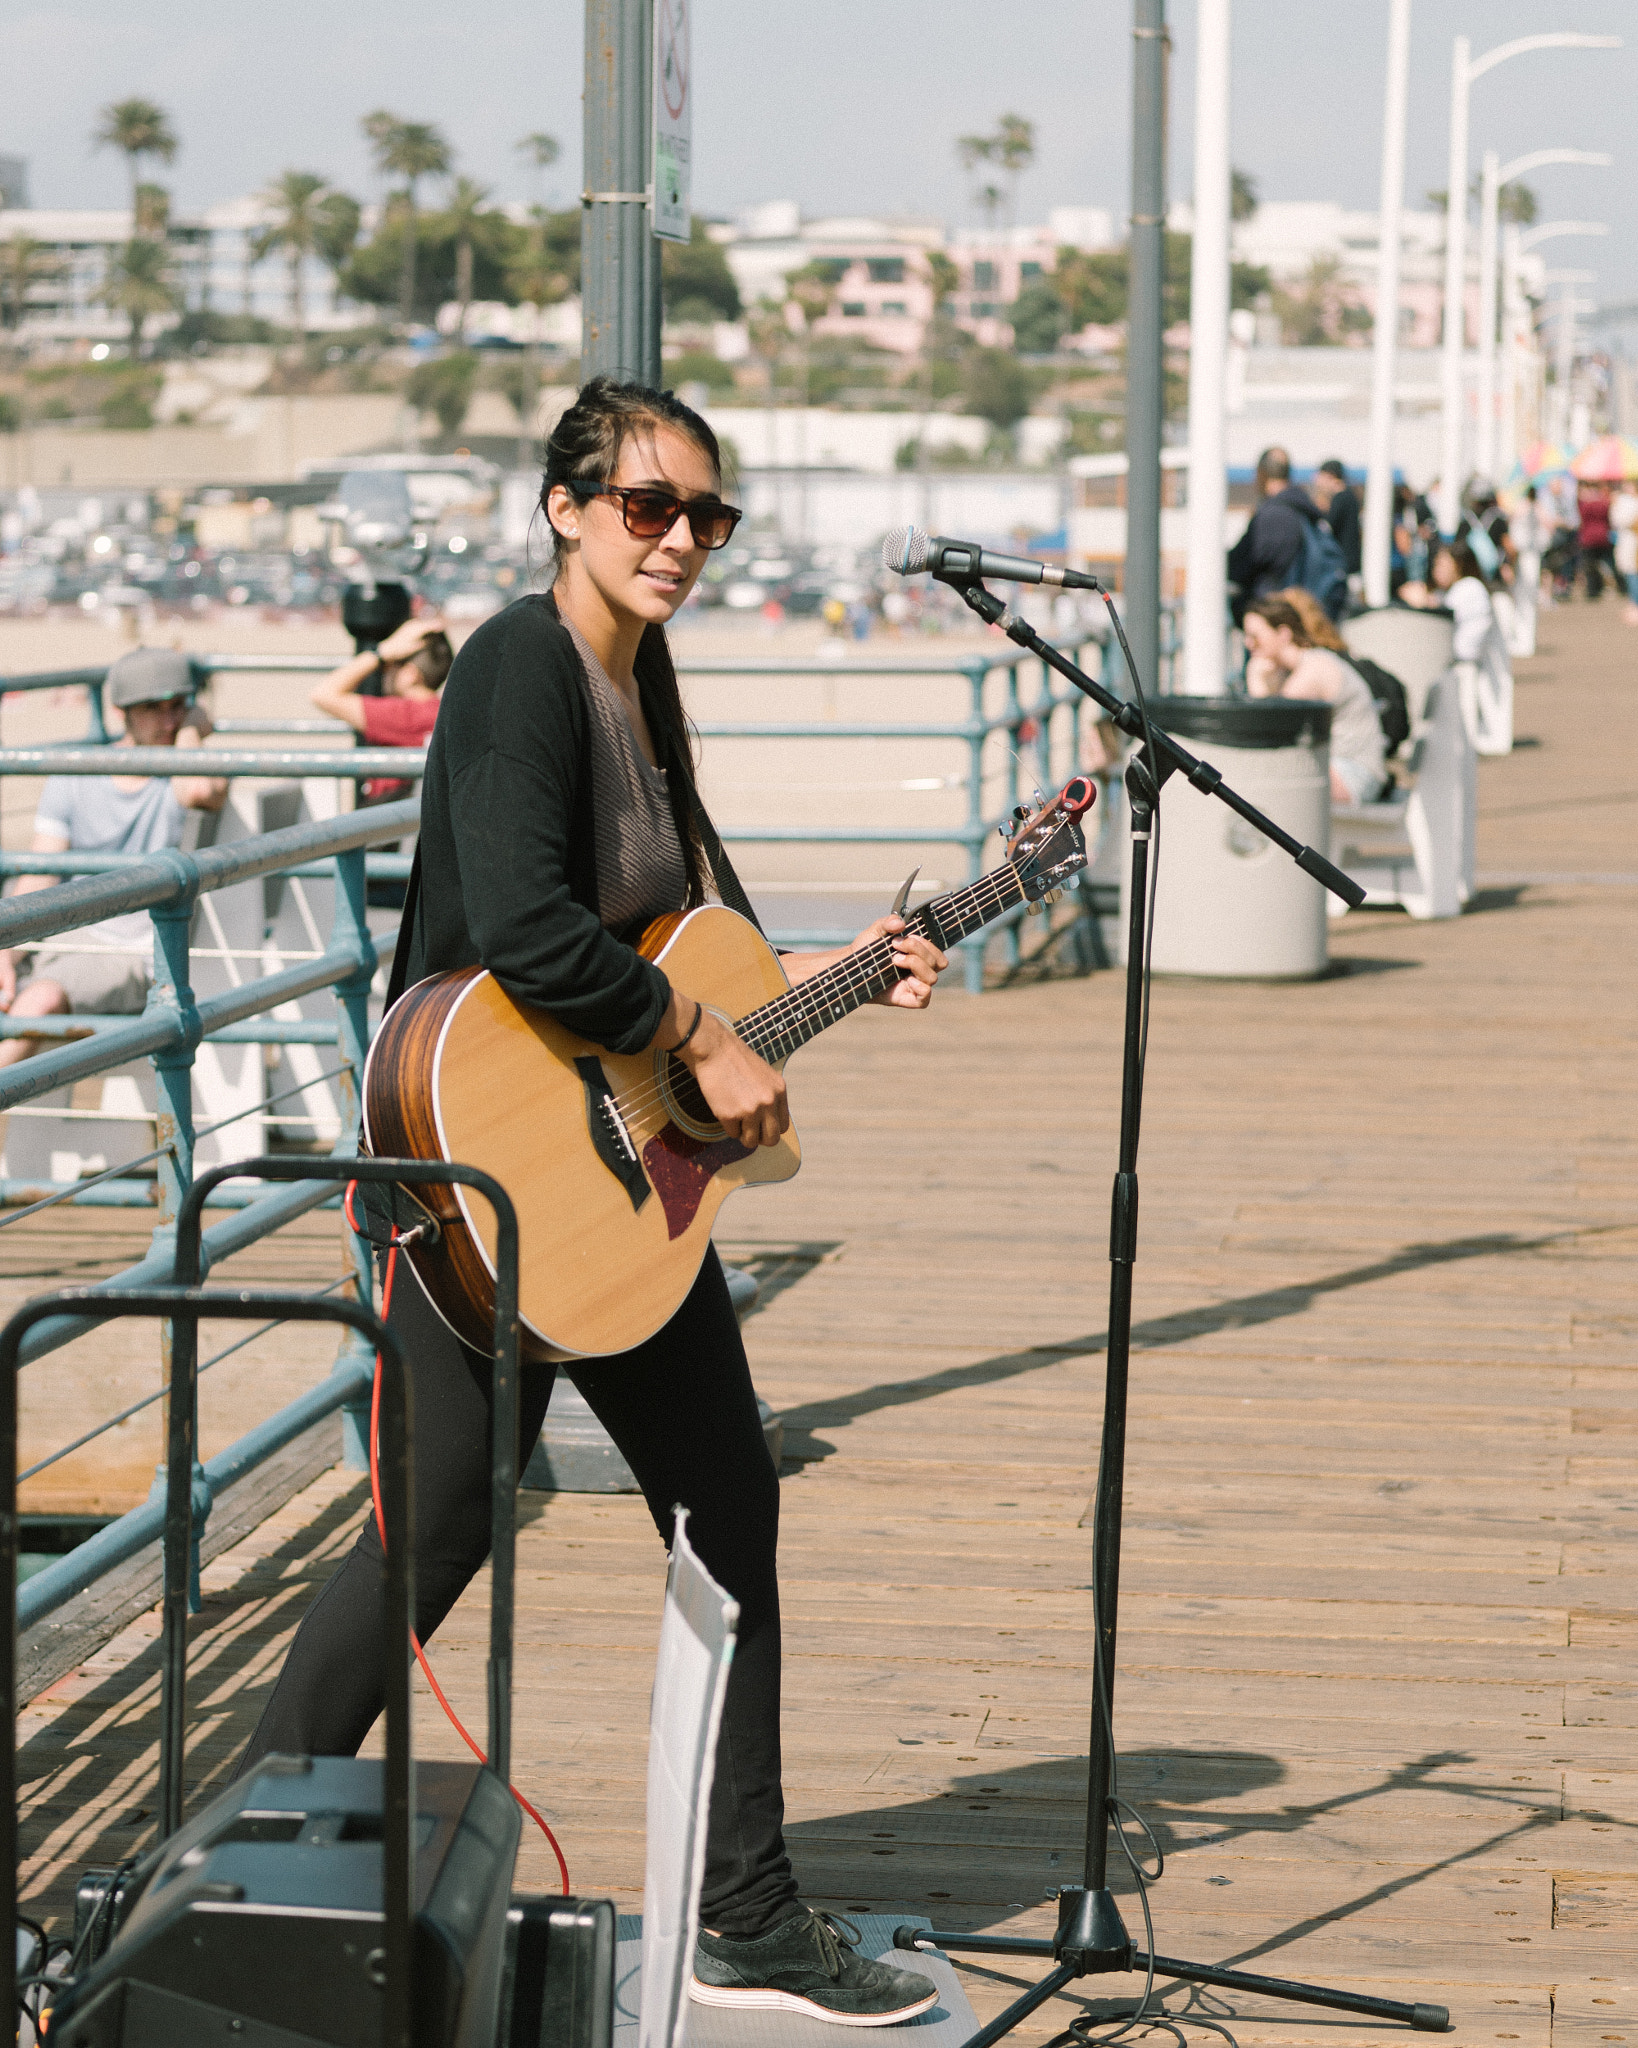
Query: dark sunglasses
{"x": 650, "y": 514}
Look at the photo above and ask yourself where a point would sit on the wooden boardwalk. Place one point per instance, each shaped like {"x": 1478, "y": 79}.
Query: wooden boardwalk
{"x": 1377, "y": 1690}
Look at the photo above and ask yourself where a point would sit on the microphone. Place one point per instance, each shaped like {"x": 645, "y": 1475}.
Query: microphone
{"x": 908, "y": 551}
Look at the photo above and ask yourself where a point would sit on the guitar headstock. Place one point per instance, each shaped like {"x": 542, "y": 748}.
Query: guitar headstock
{"x": 1048, "y": 847}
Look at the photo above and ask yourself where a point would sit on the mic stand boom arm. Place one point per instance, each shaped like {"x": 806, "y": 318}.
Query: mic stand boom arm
{"x": 1172, "y": 758}
{"x": 1091, "y": 1938}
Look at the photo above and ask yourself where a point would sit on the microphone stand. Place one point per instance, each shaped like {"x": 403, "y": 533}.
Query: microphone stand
{"x": 1091, "y": 1938}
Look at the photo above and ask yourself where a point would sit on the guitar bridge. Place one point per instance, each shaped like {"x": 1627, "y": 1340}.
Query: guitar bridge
{"x": 606, "y": 1127}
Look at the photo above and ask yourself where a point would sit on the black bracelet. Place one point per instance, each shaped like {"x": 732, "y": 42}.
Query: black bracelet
{"x": 699, "y": 1012}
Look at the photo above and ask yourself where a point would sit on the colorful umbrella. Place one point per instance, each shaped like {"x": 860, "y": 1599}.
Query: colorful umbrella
{"x": 1608, "y": 460}
{"x": 1543, "y": 458}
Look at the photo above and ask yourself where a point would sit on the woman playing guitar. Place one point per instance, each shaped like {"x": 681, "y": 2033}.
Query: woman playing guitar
{"x": 559, "y": 818}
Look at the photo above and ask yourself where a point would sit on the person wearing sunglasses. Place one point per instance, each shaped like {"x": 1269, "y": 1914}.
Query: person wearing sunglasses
{"x": 559, "y": 818}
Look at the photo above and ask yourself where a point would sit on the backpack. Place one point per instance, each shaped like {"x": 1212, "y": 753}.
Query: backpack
{"x": 1322, "y": 567}
{"x": 1392, "y": 705}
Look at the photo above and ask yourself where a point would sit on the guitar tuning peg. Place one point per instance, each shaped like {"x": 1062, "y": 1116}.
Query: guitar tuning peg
{"x": 1034, "y": 909}
{"x": 1052, "y": 896}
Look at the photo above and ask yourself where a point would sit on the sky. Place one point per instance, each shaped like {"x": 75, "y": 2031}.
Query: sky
{"x": 845, "y": 106}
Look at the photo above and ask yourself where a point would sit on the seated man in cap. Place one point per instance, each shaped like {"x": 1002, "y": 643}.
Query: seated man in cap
{"x": 105, "y": 969}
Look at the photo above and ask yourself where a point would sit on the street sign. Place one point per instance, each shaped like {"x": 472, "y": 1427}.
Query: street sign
{"x": 673, "y": 120}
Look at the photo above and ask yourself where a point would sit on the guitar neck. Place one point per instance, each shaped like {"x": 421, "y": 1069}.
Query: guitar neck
{"x": 790, "y": 1021}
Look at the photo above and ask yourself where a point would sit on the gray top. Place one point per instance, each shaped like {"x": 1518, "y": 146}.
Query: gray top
{"x": 640, "y": 869}
{"x": 97, "y": 817}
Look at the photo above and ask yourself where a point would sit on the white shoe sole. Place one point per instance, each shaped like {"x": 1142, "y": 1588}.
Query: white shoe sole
{"x": 790, "y": 2001}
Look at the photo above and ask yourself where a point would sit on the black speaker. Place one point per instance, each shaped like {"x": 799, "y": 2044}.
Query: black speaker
{"x": 261, "y": 1919}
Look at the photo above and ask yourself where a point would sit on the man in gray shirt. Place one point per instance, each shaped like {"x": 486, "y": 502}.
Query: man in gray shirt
{"x": 106, "y": 969}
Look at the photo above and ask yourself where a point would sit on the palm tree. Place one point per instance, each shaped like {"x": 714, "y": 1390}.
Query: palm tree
{"x": 151, "y": 212}
{"x": 410, "y": 150}
{"x": 138, "y": 129}
{"x": 336, "y": 220}
{"x": 462, "y": 215}
{"x": 540, "y": 152}
{"x": 294, "y": 228}
{"x": 138, "y": 284}
{"x": 24, "y": 263}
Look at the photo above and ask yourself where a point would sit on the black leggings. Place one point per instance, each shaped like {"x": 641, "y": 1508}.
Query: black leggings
{"x": 681, "y": 1409}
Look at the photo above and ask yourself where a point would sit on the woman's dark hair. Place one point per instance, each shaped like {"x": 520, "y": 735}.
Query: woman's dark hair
{"x": 1277, "y": 612}
{"x": 1462, "y": 556}
{"x": 585, "y": 446}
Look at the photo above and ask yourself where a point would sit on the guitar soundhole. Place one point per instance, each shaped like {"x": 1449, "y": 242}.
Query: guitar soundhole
{"x": 685, "y": 1105}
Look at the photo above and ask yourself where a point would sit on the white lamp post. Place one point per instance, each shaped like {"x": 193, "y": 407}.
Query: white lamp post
{"x": 1552, "y": 231}
{"x": 1465, "y": 68}
{"x": 1378, "y": 535}
{"x": 1495, "y": 176}
{"x": 1205, "y": 652}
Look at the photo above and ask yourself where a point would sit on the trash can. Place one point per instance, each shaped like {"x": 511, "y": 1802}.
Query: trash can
{"x": 1229, "y": 901}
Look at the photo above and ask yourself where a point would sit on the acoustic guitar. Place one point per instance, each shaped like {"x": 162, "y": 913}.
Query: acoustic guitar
{"x": 614, "y": 1161}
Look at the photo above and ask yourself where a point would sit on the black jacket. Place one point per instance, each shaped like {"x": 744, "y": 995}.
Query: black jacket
{"x": 1268, "y": 555}
{"x": 1342, "y": 516}
{"x": 508, "y": 854}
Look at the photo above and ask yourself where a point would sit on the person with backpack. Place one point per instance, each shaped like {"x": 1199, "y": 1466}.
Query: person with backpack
{"x": 1286, "y": 542}
{"x": 1284, "y": 662}
{"x": 1392, "y": 705}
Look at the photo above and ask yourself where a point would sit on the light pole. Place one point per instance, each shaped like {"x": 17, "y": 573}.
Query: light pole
{"x": 1205, "y": 661}
{"x": 1145, "y": 389}
{"x": 1552, "y": 231}
{"x": 1568, "y": 306}
{"x": 1378, "y": 536}
{"x": 1464, "y": 70}
{"x": 1495, "y": 176}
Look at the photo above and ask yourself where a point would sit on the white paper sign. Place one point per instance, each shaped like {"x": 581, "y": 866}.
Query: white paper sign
{"x": 672, "y": 155}
{"x": 690, "y": 1680}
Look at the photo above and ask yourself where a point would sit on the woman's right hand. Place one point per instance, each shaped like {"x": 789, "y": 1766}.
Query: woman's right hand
{"x": 744, "y": 1094}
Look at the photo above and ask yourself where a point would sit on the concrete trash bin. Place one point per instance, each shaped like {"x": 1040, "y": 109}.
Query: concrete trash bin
{"x": 1230, "y": 902}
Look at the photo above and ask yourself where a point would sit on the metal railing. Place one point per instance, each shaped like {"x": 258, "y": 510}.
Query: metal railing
{"x": 170, "y": 884}
{"x": 1040, "y": 724}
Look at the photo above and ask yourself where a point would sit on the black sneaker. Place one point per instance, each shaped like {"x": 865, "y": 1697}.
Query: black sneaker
{"x": 808, "y": 1963}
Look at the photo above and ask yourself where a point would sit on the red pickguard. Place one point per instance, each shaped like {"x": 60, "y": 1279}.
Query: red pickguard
{"x": 680, "y": 1169}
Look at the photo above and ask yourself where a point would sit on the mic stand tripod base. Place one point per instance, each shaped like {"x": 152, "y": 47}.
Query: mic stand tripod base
{"x": 1092, "y": 1941}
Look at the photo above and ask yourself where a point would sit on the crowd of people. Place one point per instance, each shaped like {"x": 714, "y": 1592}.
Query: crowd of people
{"x": 1295, "y": 574}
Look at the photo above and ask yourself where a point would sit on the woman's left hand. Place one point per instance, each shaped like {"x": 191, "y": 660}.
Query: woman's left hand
{"x": 920, "y": 957}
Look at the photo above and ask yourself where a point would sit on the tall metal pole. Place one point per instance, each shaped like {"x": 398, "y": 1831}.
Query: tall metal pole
{"x": 1145, "y": 324}
{"x": 1452, "y": 393}
{"x": 1507, "y": 444}
{"x": 1378, "y": 537}
{"x": 1205, "y": 656}
{"x": 1484, "y": 452}
{"x": 620, "y": 259}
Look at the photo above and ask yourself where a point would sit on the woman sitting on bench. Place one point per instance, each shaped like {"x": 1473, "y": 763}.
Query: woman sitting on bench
{"x": 1284, "y": 662}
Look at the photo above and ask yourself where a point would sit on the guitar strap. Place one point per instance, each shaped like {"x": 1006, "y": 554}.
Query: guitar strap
{"x": 399, "y": 977}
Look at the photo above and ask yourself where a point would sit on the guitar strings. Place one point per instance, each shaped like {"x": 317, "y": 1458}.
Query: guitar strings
{"x": 857, "y": 975}
{"x": 803, "y": 1011}
{"x": 800, "y": 1013}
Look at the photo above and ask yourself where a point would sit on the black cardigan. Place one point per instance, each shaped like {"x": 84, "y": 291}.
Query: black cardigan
{"x": 508, "y": 848}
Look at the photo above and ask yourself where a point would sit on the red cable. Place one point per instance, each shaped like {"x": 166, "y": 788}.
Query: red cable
{"x": 381, "y": 1530}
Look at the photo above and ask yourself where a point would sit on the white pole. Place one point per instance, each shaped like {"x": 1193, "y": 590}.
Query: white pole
{"x": 1489, "y": 212}
{"x": 1378, "y": 537}
{"x": 1566, "y": 363}
{"x": 1205, "y": 631}
{"x": 1452, "y": 394}
{"x": 1507, "y": 449}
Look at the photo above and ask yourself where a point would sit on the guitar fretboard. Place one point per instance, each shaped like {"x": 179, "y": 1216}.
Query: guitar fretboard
{"x": 792, "y": 1020}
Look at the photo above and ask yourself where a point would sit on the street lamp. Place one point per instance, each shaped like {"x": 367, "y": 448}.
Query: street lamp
{"x": 1495, "y": 176}
{"x": 1464, "y": 70}
{"x": 1205, "y": 652}
{"x": 1378, "y": 536}
{"x": 1568, "y": 307}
